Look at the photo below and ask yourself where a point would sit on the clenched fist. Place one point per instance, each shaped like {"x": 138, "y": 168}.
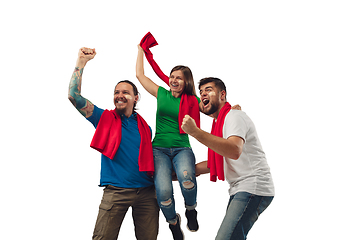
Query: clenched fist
{"x": 189, "y": 125}
{"x": 84, "y": 55}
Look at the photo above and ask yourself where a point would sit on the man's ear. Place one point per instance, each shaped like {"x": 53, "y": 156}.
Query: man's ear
{"x": 223, "y": 95}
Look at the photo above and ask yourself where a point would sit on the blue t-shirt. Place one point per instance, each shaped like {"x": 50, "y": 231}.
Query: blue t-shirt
{"x": 123, "y": 170}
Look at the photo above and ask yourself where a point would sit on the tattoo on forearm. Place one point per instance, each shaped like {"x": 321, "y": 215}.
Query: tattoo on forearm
{"x": 83, "y": 105}
{"x": 75, "y": 88}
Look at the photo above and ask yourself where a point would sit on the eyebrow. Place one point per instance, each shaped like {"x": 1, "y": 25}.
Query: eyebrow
{"x": 172, "y": 76}
{"x": 124, "y": 91}
{"x": 209, "y": 87}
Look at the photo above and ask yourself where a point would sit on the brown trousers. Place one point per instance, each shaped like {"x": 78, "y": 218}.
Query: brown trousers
{"x": 114, "y": 205}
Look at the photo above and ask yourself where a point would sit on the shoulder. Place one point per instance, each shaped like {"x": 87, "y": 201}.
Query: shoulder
{"x": 98, "y": 111}
{"x": 162, "y": 90}
{"x": 138, "y": 118}
{"x": 164, "y": 93}
{"x": 235, "y": 114}
{"x": 235, "y": 124}
{"x": 95, "y": 117}
{"x": 235, "y": 117}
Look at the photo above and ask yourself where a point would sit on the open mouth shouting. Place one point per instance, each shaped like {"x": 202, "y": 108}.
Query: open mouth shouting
{"x": 205, "y": 102}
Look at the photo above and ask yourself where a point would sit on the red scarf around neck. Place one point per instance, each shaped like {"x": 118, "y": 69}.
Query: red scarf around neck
{"x": 107, "y": 139}
{"x": 215, "y": 160}
{"x": 188, "y": 103}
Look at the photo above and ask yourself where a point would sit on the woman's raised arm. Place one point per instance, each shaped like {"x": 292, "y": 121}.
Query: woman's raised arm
{"x": 146, "y": 82}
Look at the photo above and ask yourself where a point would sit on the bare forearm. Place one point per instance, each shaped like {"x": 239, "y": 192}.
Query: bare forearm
{"x": 201, "y": 168}
{"x": 140, "y": 64}
{"x": 230, "y": 148}
{"x": 146, "y": 82}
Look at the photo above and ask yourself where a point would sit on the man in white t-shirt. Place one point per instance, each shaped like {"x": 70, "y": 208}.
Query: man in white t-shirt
{"x": 235, "y": 153}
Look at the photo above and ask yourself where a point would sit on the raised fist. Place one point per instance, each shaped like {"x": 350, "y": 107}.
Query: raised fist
{"x": 86, "y": 54}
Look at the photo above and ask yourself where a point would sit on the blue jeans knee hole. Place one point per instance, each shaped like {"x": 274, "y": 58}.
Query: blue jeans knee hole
{"x": 188, "y": 184}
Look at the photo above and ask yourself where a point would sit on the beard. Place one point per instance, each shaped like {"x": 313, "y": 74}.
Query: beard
{"x": 121, "y": 109}
{"x": 213, "y": 108}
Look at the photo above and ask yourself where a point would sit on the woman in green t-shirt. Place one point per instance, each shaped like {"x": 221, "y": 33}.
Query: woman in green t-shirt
{"x": 172, "y": 150}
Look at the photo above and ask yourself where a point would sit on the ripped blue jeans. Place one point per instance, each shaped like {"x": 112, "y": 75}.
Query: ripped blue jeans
{"x": 182, "y": 161}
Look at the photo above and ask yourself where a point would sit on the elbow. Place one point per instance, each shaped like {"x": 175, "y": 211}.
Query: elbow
{"x": 140, "y": 75}
{"x": 141, "y": 78}
{"x": 236, "y": 153}
{"x": 72, "y": 100}
{"x": 236, "y": 148}
{"x": 236, "y": 156}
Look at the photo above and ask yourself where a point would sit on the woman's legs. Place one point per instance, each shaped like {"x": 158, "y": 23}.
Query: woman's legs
{"x": 163, "y": 183}
{"x": 182, "y": 161}
{"x": 184, "y": 166}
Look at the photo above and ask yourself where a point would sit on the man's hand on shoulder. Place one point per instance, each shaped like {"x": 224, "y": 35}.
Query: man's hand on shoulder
{"x": 236, "y": 107}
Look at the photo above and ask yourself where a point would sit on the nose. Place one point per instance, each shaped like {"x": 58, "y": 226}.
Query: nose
{"x": 121, "y": 95}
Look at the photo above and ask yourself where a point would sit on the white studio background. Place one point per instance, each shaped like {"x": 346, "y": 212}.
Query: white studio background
{"x": 293, "y": 66}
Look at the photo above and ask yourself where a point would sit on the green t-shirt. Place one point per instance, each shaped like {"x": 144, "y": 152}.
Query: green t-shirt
{"x": 167, "y": 133}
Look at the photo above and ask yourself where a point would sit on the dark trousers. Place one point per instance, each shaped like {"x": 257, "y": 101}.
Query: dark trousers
{"x": 114, "y": 205}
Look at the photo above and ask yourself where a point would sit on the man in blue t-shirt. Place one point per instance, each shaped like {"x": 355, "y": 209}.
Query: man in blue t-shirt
{"x": 125, "y": 186}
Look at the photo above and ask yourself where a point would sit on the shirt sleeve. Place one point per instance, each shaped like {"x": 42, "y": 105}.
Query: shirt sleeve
{"x": 235, "y": 125}
{"x": 95, "y": 117}
{"x": 161, "y": 90}
{"x": 198, "y": 99}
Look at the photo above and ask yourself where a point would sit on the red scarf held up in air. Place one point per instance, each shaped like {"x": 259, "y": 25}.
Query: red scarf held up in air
{"x": 188, "y": 103}
{"x": 107, "y": 139}
{"x": 215, "y": 160}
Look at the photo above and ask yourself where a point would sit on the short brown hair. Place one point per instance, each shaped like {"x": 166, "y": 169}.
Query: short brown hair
{"x": 217, "y": 81}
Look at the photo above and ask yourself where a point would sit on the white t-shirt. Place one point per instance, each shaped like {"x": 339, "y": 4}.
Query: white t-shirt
{"x": 250, "y": 173}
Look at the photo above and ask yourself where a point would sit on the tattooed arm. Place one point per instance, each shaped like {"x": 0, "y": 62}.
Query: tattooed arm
{"x": 84, "y": 106}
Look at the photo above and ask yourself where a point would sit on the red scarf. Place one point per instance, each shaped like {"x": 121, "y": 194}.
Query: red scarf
{"x": 215, "y": 160}
{"x": 188, "y": 103}
{"x": 107, "y": 139}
